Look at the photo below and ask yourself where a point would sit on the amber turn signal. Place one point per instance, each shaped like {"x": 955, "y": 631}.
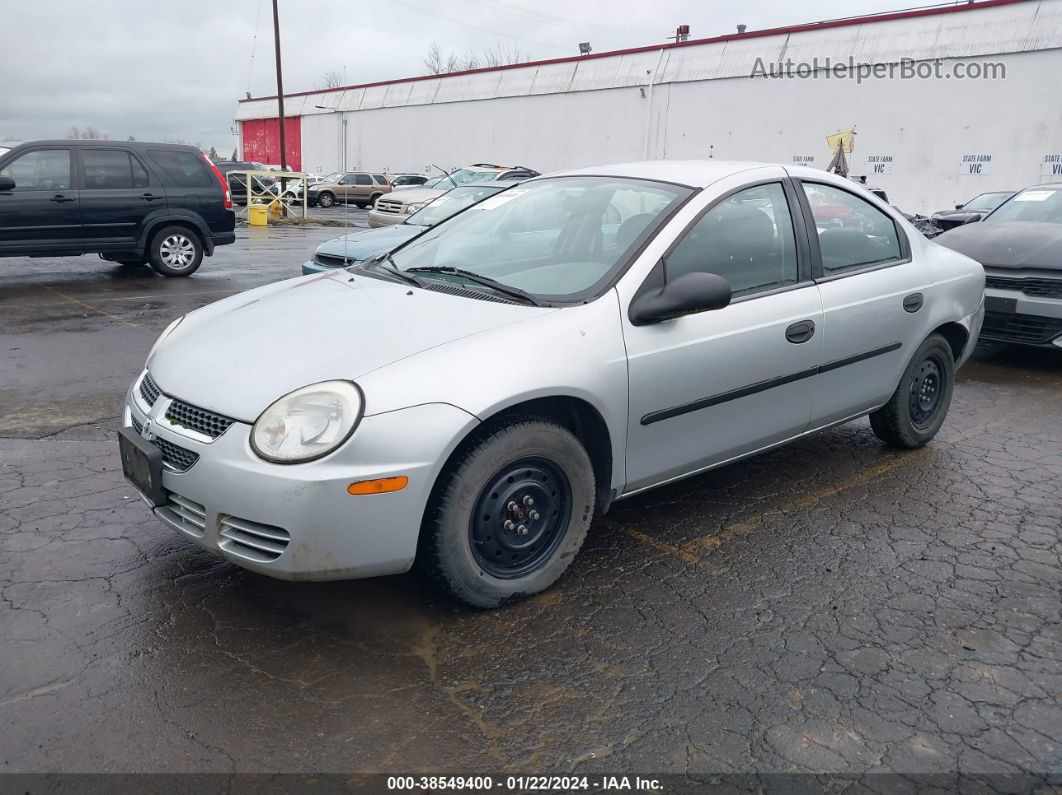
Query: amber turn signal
{"x": 378, "y": 486}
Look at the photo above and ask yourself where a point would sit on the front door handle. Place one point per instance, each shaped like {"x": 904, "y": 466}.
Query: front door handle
{"x": 801, "y": 331}
{"x": 60, "y": 198}
{"x": 150, "y": 197}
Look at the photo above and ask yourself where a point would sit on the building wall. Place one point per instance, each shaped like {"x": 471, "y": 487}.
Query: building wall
{"x": 702, "y": 103}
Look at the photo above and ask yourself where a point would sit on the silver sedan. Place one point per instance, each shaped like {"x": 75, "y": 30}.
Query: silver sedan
{"x": 473, "y": 399}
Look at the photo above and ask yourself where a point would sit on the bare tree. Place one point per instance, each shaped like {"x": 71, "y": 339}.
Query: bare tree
{"x": 331, "y": 79}
{"x": 91, "y": 134}
{"x": 213, "y": 154}
{"x": 73, "y": 133}
{"x": 130, "y": 138}
{"x": 437, "y": 62}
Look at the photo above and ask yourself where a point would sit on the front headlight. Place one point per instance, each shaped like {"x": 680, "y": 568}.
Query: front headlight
{"x": 409, "y": 209}
{"x": 165, "y": 333}
{"x": 308, "y": 423}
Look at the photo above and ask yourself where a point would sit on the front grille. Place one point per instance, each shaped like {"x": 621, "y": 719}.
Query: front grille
{"x": 1020, "y": 328}
{"x": 1036, "y": 288}
{"x": 149, "y": 390}
{"x": 138, "y": 426}
{"x": 185, "y": 514}
{"x": 175, "y": 456}
{"x": 393, "y": 207}
{"x": 197, "y": 419}
{"x": 261, "y": 543}
{"x": 333, "y": 261}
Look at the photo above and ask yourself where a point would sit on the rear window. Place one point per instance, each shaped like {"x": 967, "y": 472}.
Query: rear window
{"x": 185, "y": 169}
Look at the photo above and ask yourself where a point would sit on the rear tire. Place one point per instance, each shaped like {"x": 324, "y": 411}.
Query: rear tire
{"x": 920, "y": 403}
{"x": 176, "y": 251}
{"x": 508, "y": 513}
{"x": 325, "y": 200}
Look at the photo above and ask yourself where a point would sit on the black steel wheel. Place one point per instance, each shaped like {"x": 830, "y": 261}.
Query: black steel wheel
{"x": 520, "y": 517}
{"x": 508, "y": 513}
{"x": 920, "y": 403}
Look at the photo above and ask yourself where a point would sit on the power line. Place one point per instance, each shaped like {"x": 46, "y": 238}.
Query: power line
{"x": 254, "y": 41}
{"x": 553, "y": 46}
{"x": 549, "y": 19}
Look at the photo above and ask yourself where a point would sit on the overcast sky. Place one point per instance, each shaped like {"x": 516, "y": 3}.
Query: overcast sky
{"x": 173, "y": 69}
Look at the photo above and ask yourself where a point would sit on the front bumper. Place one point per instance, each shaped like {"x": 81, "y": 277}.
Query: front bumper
{"x": 378, "y": 219}
{"x": 1012, "y": 316}
{"x": 297, "y": 522}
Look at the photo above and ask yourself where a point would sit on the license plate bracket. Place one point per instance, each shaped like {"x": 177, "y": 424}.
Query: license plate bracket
{"x": 142, "y": 465}
{"x": 1005, "y": 306}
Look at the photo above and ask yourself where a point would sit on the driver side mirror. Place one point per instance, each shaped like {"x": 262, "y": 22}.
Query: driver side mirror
{"x": 6, "y": 184}
{"x": 959, "y": 206}
{"x": 687, "y": 295}
{"x": 973, "y": 219}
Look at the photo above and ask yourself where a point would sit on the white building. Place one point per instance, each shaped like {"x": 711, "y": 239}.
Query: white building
{"x": 930, "y": 141}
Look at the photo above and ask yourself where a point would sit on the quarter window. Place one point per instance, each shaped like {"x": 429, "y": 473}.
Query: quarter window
{"x": 852, "y": 232}
{"x": 111, "y": 169}
{"x": 185, "y": 169}
{"x": 747, "y": 239}
{"x": 43, "y": 169}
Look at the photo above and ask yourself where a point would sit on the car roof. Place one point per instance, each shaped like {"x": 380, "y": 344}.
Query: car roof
{"x": 137, "y": 145}
{"x": 692, "y": 173}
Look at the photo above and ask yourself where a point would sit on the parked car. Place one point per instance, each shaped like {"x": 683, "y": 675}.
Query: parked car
{"x": 393, "y": 208}
{"x": 225, "y": 166}
{"x": 238, "y": 185}
{"x": 1020, "y": 246}
{"x": 974, "y": 210}
{"x": 342, "y": 252}
{"x": 131, "y": 202}
{"x": 399, "y": 181}
{"x": 474, "y": 397}
{"x": 294, "y": 187}
{"x": 360, "y": 188}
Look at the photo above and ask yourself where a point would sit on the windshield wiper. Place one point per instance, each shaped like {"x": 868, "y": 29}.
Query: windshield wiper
{"x": 486, "y": 281}
{"x": 392, "y": 269}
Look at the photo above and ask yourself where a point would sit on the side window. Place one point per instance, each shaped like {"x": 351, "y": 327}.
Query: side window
{"x": 185, "y": 169}
{"x": 111, "y": 169}
{"x": 44, "y": 169}
{"x": 747, "y": 239}
{"x": 853, "y": 233}
{"x": 362, "y": 179}
{"x": 380, "y": 179}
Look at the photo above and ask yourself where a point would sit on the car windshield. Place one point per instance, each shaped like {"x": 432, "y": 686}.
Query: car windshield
{"x": 1034, "y": 204}
{"x": 451, "y": 203}
{"x": 335, "y": 176}
{"x": 463, "y": 176}
{"x": 986, "y": 201}
{"x": 559, "y": 238}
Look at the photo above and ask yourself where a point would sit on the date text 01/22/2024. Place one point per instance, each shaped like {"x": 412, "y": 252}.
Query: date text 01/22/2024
{"x": 523, "y": 783}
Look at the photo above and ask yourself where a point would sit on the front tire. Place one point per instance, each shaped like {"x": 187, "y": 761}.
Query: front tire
{"x": 508, "y": 513}
{"x": 176, "y": 251}
{"x": 326, "y": 200}
{"x": 920, "y": 403}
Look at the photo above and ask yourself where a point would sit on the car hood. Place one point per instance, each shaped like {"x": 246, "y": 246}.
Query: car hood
{"x": 1016, "y": 244}
{"x": 364, "y": 244}
{"x": 239, "y": 355}
{"x": 413, "y": 195}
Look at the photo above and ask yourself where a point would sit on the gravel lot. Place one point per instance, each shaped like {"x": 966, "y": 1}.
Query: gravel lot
{"x": 832, "y": 606}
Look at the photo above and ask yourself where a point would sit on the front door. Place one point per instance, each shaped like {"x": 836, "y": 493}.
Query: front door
{"x": 712, "y": 386}
{"x": 116, "y": 197}
{"x": 42, "y": 213}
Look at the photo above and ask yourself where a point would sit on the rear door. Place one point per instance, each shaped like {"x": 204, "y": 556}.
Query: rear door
{"x": 362, "y": 188}
{"x": 117, "y": 195}
{"x": 872, "y": 295}
{"x": 42, "y": 213}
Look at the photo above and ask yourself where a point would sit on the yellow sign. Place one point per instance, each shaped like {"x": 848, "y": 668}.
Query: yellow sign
{"x": 845, "y": 138}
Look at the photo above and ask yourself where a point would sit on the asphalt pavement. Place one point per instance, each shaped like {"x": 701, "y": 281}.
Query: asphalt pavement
{"x": 833, "y": 606}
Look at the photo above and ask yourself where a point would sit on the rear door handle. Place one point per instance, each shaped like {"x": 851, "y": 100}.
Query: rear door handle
{"x": 150, "y": 197}
{"x": 60, "y": 198}
{"x": 801, "y": 331}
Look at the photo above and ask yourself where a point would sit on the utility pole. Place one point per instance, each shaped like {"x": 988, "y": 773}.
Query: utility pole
{"x": 280, "y": 90}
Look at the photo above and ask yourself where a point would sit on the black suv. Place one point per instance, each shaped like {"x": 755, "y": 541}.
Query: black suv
{"x": 132, "y": 203}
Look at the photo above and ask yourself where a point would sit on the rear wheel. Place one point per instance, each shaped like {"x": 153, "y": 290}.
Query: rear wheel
{"x": 176, "y": 251}
{"x": 920, "y": 403}
{"x": 326, "y": 200}
{"x": 509, "y": 513}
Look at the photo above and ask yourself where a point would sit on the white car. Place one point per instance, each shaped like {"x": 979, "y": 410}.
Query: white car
{"x": 474, "y": 398}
